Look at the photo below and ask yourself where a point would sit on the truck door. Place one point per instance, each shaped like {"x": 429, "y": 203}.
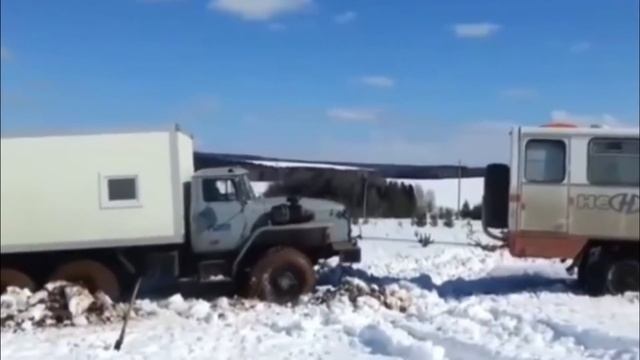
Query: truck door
{"x": 544, "y": 185}
{"x": 217, "y": 219}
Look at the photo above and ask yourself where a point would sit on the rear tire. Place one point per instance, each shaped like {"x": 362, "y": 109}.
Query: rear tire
{"x": 91, "y": 274}
{"x": 605, "y": 273}
{"x": 282, "y": 275}
{"x": 12, "y": 277}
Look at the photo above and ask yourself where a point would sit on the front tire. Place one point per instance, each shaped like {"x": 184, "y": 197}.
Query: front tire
{"x": 282, "y": 275}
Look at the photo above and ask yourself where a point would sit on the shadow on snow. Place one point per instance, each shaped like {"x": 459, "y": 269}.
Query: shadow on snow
{"x": 457, "y": 288}
{"x": 452, "y": 289}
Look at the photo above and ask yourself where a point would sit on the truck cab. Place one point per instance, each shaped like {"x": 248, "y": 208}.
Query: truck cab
{"x": 231, "y": 230}
{"x": 222, "y": 204}
{"x": 572, "y": 193}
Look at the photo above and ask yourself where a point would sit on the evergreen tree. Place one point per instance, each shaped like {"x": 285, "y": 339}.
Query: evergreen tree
{"x": 465, "y": 212}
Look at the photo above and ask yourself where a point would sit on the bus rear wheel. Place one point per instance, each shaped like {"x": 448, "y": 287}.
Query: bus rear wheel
{"x": 609, "y": 273}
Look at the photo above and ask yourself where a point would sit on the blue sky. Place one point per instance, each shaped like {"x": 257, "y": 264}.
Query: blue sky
{"x": 401, "y": 81}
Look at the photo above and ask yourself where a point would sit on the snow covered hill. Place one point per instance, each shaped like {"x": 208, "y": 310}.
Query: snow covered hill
{"x": 461, "y": 303}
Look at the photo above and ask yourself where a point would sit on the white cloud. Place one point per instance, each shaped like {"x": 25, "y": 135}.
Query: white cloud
{"x": 520, "y": 93}
{"x": 276, "y": 26}
{"x": 5, "y": 54}
{"x": 590, "y": 119}
{"x": 345, "y": 17}
{"x": 580, "y": 47}
{"x": 354, "y": 114}
{"x": 378, "y": 81}
{"x": 476, "y": 30}
{"x": 259, "y": 10}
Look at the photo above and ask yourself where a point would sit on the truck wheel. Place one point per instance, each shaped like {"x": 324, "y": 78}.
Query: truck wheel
{"x": 12, "y": 277}
{"x": 281, "y": 276}
{"x": 609, "y": 274}
{"x": 623, "y": 275}
{"x": 91, "y": 274}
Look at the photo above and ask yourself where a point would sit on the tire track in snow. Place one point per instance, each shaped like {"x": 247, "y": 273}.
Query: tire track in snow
{"x": 591, "y": 342}
{"x": 456, "y": 349}
{"x": 595, "y": 341}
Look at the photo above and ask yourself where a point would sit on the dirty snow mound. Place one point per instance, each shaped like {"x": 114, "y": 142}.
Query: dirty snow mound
{"x": 360, "y": 293}
{"x": 57, "y": 304}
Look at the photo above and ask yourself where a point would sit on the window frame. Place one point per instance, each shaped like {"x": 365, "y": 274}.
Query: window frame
{"x": 216, "y": 179}
{"x": 589, "y": 162}
{"x": 565, "y": 156}
{"x": 107, "y": 203}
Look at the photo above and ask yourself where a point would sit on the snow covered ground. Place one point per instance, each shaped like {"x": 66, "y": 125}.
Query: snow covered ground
{"x": 461, "y": 303}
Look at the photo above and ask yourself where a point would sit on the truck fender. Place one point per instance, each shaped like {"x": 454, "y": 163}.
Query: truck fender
{"x": 304, "y": 235}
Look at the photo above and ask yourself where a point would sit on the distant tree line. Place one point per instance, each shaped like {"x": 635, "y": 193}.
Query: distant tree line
{"x": 385, "y": 199}
{"x": 468, "y": 212}
{"x": 265, "y": 172}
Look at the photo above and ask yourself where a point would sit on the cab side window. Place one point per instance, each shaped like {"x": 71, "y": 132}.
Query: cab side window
{"x": 545, "y": 161}
{"x": 614, "y": 162}
{"x": 216, "y": 190}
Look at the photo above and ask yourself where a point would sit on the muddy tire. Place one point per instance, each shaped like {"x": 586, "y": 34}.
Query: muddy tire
{"x": 12, "y": 277}
{"x": 91, "y": 274}
{"x": 282, "y": 275}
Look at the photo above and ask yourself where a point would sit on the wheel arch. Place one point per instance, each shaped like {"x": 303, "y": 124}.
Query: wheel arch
{"x": 618, "y": 247}
{"x": 307, "y": 238}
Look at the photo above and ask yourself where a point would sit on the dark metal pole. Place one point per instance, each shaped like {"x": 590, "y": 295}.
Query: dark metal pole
{"x": 364, "y": 201}
{"x": 459, "y": 187}
{"x": 120, "y": 340}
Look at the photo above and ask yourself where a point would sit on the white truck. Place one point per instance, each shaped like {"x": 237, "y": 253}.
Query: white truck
{"x": 104, "y": 209}
{"x": 573, "y": 193}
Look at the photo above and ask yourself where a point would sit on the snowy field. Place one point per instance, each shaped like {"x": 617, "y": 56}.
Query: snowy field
{"x": 260, "y": 187}
{"x": 446, "y": 190}
{"x": 457, "y": 303}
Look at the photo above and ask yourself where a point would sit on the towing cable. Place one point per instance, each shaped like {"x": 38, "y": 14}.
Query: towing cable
{"x": 428, "y": 241}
